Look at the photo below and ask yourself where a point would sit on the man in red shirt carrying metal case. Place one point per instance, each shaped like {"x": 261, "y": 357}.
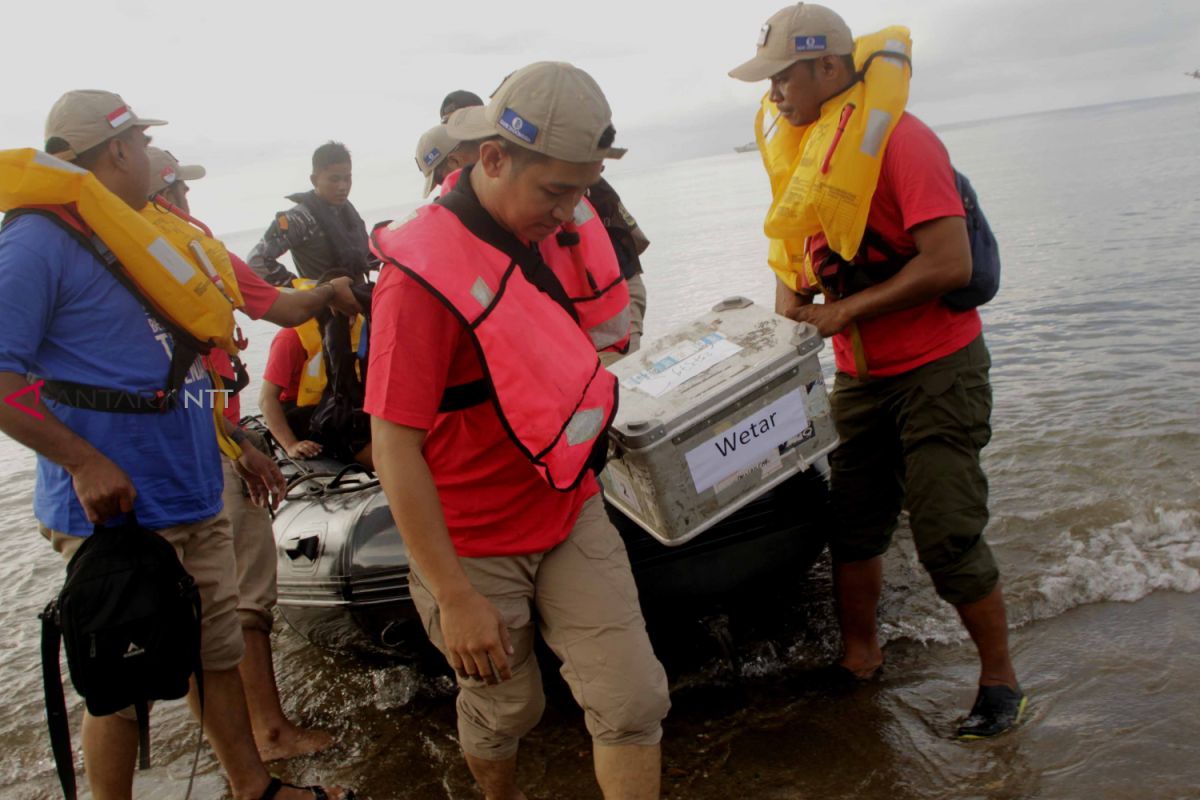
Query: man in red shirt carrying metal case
{"x": 489, "y": 414}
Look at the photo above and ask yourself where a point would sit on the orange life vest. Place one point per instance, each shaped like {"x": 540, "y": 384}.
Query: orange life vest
{"x": 582, "y": 257}
{"x": 553, "y": 397}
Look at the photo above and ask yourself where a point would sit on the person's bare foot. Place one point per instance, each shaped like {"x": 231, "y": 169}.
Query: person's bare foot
{"x": 290, "y": 741}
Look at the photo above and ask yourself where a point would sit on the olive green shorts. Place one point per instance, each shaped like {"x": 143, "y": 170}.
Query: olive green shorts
{"x": 914, "y": 440}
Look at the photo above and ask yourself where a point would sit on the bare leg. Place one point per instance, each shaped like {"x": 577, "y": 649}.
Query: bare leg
{"x": 857, "y": 586}
{"x": 110, "y": 746}
{"x": 497, "y": 779}
{"x": 628, "y": 772}
{"x": 275, "y": 735}
{"x": 227, "y": 726}
{"x": 987, "y": 623}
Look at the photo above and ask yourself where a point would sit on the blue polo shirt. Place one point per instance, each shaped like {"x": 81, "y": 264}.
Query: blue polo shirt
{"x": 64, "y": 317}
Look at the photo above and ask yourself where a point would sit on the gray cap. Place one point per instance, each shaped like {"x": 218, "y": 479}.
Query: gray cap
{"x": 549, "y": 107}
{"x": 165, "y": 169}
{"x": 797, "y": 33}
{"x": 432, "y": 148}
{"x": 459, "y": 98}
{"x": 85, "y": 118}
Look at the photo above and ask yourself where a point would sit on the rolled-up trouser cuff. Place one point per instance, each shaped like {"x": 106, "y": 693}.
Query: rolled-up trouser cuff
{"x": 255, "y": 620}
{"x": 969, "y": 578}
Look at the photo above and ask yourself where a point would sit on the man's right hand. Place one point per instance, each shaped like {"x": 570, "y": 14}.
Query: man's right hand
{"x": 304, "y": 449}
{"x": 344, "y": 301}
{"x": 103, "y": 488}
{"x": 474, "y": 632}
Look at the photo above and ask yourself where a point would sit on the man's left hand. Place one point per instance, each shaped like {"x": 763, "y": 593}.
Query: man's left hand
{"x": 827, "y": 318}
{"x": 262, "y": 477}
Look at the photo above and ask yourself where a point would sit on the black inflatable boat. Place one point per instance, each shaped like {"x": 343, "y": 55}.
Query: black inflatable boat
{"x": 343, "y": 568}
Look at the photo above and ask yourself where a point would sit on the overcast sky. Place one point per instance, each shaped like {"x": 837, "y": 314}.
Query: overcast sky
{"x": 252, "y": 87}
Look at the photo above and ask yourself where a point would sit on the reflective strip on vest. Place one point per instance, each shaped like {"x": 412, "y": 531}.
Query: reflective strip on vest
{"x": 585, "y": 426}
{"x": 612, "y": 332}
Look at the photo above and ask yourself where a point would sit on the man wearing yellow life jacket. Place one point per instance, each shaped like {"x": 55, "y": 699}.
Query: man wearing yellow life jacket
{"x": 253, "y": 540}
{"x": 854, "y": 177}
{"x": 294, "y": 384}
{"x": 489, "y": 412}
{"x": 580, "y": 253}
{"x": 111, "y": 435}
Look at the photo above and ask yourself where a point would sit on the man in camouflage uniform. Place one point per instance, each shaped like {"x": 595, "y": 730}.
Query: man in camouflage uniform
{"x": 323, "y": 230}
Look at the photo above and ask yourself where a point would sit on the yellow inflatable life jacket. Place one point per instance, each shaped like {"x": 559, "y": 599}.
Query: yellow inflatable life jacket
{"x": 823, "y": 175}
{"x": 156, "y": 256}
{"x": 209, "y": 253}
{"x": 312, "y": 378}
{"x": 160, "y": 266}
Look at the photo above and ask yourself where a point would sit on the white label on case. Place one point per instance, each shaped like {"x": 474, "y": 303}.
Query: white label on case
{"x": 749, "y": 441}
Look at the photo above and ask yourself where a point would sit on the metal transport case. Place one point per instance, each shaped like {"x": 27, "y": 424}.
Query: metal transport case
{"x": 713, "y": 415}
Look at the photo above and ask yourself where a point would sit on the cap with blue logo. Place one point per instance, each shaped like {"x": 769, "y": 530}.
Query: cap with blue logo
{"x": 797, "y": 33}
{"x": 550, "y": 107}
{"x": 432, "y": 148}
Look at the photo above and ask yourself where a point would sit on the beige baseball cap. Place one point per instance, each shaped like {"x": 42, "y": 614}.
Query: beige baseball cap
{"x": 86, "y": 117}
{"x": 432, "y": 148}
{"x": 165, "y": 169}
{"x": 549, "y": 107}
{"x": 797, "y": 33}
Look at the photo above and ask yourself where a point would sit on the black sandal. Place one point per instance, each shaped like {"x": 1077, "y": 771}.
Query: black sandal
{"x": 317, "y": 792}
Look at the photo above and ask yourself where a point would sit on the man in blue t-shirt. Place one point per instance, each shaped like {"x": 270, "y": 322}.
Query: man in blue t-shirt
{"x": 68, "y": 321}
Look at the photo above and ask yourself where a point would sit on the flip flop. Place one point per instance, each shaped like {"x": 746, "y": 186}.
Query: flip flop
{"x": 317, "y": 792}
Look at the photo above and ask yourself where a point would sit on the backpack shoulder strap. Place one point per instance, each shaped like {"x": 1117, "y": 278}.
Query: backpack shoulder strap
{"x": 56, "y": 702}
{"x": 142, "y": 709}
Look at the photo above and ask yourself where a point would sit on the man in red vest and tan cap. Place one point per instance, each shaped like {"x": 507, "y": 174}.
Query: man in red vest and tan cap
{"x": 490, "y": 409}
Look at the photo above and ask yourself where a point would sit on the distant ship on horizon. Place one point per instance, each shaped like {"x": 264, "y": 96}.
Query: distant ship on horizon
{"x": 750, "y": 147}
{"x": 1193, "y": 74}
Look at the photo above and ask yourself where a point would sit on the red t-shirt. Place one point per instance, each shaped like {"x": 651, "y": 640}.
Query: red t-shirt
{"x": 916, "y": 184}
{"x": 494, "y": 501}
{"x": 258, "y": 296}
{"x": 285, "y": 363}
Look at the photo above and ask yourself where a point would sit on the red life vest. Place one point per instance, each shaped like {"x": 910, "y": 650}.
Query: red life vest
{"x": 582, "y": 257}
{"x": 553, "y": 397}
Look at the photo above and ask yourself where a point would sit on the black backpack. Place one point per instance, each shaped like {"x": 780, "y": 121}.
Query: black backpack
{"x": 129, "y": 614}
{"x": 850, "y": 277}
{"x": 985, "y": 254}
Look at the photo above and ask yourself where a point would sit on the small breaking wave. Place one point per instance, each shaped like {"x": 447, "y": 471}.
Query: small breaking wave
{"x": 1158, "y": 550}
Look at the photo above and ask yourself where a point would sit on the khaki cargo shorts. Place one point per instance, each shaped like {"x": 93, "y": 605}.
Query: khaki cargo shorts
{"x": 254, "y": 549}
{"x": 582, "y": 598}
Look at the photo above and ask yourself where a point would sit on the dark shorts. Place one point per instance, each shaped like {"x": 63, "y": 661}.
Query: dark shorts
{"x": 914, "y": 440}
